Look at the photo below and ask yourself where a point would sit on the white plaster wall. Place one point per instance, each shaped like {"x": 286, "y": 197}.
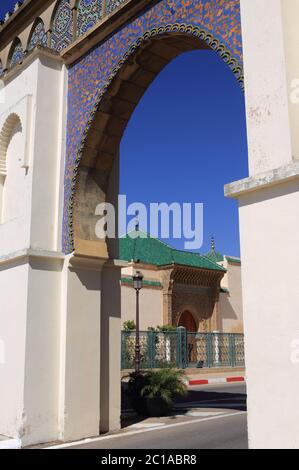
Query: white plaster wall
{"x": 290, "y": 15}
{"x": 15, "y": 229}
{"x": 41, "y": 386}
{"x": 30, "y": 294}
{"x": 48, "y": 154}
{"x": 268, "y": 125}
{"x": 13, "y": 317}
{"x": 33, "y": 195}
{"x": 151, "y": 306}
{"x": 269, "y": 227}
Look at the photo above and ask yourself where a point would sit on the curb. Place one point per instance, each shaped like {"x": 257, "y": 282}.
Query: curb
{"x": 10, "y": 444}
{"x": 216, "y": 380}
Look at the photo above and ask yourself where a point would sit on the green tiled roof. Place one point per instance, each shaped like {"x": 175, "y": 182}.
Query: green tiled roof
{"x": 231, "y": 259}
{"x": 129, "y": 280}
{"x": 140, "y": 246}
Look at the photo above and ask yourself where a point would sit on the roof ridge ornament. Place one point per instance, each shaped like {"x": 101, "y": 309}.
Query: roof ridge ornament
{"x": 137, "y": 221}
{"x": 213, "y": 243}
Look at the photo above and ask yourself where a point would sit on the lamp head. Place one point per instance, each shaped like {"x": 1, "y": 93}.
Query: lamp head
{"x": 137, "y": 280}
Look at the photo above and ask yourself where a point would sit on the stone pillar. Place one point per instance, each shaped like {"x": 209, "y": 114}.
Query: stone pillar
{"x": 110, "y": 380}
{"x": 290, "y": 15}
{"x": 80, "y": 348}
{"x": 29, "y": 334}
{"x": 268, "y": 129}
{"x": 167, "y": 296}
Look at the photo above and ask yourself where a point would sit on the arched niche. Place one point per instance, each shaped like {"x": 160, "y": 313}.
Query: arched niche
{"x": 11, "y": 126}
{"x": 37, "y": 35}
{"x": 16, "y": 54}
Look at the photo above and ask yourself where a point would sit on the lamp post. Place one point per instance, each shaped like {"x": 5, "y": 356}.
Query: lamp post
{"x": 137, "y": 283}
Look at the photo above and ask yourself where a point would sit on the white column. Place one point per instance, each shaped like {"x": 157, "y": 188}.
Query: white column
{"x": 269, "y": 227}
{"x": 110, "y": 393}
{"x": 290, "y": 16}
{"x": 268, "y": 129}
{"x": 80, "y": 344}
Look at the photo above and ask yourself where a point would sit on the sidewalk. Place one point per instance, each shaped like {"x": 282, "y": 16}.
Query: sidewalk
{"x": 215, "y": 376}
{"x": 208, "y": 376}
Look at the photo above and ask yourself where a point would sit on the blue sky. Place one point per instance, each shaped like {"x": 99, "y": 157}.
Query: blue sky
{"x": 185, "y": 140}
{"x": 6, "y": 5}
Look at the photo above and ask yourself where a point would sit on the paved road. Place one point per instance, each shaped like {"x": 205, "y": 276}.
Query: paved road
{"x": 213, "y": 418}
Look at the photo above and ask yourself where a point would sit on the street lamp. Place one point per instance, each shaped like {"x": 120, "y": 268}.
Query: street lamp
{"x": 137, "y": 283}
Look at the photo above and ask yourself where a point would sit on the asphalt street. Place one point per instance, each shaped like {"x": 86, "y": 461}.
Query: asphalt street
{"x": 212, "y": 417}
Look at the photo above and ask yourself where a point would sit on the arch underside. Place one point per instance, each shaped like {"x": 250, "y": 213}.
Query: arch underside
{"x": 109, "y": 122}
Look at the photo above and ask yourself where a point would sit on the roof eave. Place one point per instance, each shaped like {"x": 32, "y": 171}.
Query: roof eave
{"x": 177, "y": 265}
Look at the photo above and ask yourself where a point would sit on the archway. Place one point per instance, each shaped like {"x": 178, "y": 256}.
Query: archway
{"x": 187, "y": 321}
{"x": 93, "y": 177}
{"x": 96, "y": 174}
{"x": 104, "y": 89}
{"x": 106, "y": 85}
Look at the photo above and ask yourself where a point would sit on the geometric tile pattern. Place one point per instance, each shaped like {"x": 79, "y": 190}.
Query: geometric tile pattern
{"x": 88, "y": 13}
{"x": 17, "y": 53}
{"x": 112, "y": 5}
{"x": 38, "y": 36}
{"x": 62, "y": 26}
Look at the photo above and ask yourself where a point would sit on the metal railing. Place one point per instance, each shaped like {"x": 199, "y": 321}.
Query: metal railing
{"x": 183, "y": 349}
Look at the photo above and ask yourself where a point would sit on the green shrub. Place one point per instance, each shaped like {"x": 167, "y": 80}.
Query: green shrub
{"x": 166, "y": 328}
{"x": 162, "y": 328}
{"x": 129, "y": 325}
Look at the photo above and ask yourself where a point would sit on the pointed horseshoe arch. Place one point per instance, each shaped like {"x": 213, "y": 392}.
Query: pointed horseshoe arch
{"x": 121, "y": 70}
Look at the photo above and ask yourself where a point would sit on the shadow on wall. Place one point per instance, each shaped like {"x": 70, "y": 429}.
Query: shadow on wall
{"x": 227, "y": 309}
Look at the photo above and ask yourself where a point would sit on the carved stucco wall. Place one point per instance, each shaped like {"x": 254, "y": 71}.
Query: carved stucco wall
{"x": 193, "y": 290}
{"x": 199, "y": 301}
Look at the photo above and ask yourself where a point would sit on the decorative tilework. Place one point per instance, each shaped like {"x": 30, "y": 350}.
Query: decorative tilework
{"x": 89, "y": 12}
{"x": 38, "y": 35}
{"x": 112, "y": 5}
{"x": 62, "y": 26}
{"x": 17, "y": 53}
{"x": 217, "y": 22}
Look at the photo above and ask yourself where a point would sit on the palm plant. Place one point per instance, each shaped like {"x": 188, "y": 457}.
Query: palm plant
{"x": 153, "y": 392}
{"x": 165, "y": 384}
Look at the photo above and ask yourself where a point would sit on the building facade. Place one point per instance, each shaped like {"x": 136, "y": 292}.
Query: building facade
{"x": 201, "y": 293}
{"x": 72, "y": 73}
